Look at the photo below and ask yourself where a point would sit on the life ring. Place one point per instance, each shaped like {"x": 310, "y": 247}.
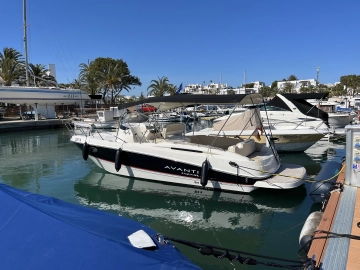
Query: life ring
{"x": 85, "y": 151}
{"x": 118, "y": 159}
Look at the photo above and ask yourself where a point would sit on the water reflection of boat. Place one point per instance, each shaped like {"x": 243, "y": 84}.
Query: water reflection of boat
{"x": 189, "y": 206}
{"x": 325, "y": 150}
{"x": 312, "y": 165}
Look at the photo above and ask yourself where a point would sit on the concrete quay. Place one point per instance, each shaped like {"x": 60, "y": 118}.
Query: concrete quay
{"x": 9, "y": 124}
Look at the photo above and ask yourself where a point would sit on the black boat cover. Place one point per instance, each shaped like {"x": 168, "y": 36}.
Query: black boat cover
{"x": 299, "y": 100}
{"x": 170, "y": 102}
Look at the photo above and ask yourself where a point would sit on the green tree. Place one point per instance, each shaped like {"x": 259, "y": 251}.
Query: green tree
{"x": 338, "y": 90}
{"x": 351, "y": 83}
{"x": 288, "y": 88}
{"x": 160, "y": 87}
{"x": 90, "y": 83}
{"x": 37, "y": 71}
{"x": 231, "y": 92}
{"x": 274, "y": 84}
{"x": 265, "y": 91}
{"x": 77, "y": 84}
{"x": 292, "y": 78}
{"x": 172, "y": 89}
{"x": 321, "y": 88}
{"x": 11, "y": 66}
{"x": 304, "y": 89}
{"x": 108, "y": 77}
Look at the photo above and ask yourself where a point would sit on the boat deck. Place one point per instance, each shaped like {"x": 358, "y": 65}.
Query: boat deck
{"x": 341, "y": 215}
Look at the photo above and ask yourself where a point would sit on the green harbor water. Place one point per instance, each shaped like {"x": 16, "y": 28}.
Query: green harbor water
{"x": 264, "y": 222}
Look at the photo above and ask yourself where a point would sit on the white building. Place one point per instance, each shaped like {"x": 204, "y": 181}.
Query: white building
{"x": 222, "y": 89}
{"x": 52, "y": 70}
{"x": 297, "y": 84}
{"x": 200, "y": 89}
{"x": 255, "y": 88}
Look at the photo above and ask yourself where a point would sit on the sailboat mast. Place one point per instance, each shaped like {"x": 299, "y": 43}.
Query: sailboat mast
{"x": 25, "y": 46}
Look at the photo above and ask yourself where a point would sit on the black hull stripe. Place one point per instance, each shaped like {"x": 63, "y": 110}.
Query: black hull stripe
{"x": 165, "y": 166}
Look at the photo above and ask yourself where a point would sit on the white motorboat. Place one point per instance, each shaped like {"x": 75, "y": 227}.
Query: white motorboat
{"x": 41, "y": 95}
{"x": 165, "y": 117}
{"x": 338, "y": 118}
{"x": 168, "y": 156}
{"x": 292, "y": 110}
{"x": 43, "y": 99}
{"x": 285, "y": 138}
{"x": 106, "y": 119}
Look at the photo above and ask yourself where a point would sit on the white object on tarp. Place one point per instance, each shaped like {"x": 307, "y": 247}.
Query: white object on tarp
{"x": 141, "y": 239}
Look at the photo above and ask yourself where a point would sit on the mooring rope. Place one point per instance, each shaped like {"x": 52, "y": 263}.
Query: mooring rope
{"x": 221, "y": 253}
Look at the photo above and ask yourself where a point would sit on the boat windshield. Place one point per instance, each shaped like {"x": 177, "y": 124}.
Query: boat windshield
{"x": 271, "y": 108}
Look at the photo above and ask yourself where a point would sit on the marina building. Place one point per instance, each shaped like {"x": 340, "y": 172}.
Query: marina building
{"x": 296, "y": 85}
{"x": 223, "y": 89}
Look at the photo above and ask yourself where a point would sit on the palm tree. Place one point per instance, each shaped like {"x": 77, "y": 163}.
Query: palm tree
{"x": 88, "y": 79}
{"x": 11, "y": 71}
{"x": 37, "y": 71}
{"x": 11, "y": 53}
{"x": 110, "y": 79}
{"x": 172, "y": 89}
{"x": 159, "y": 87}
{"x": 77, "y": 84}
{"x": 11, "y": 66}
{"x": 108, "y": 76}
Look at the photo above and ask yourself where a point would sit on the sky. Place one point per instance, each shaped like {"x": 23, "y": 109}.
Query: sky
{"x": 193, "y": 41}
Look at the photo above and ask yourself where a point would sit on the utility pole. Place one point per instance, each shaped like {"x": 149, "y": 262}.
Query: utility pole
{"x": 317, "y": 74}
{"x": 244, "y": 80}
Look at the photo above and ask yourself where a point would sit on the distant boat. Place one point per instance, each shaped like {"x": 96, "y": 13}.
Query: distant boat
{"x": 42, "y": 99}
{"x": 41, "y": 95}
{"x": 339, "y": 117}
{"x": 39, "y": 232}
{"x": 285, "y": 138}
{"x": 292, "y": 110}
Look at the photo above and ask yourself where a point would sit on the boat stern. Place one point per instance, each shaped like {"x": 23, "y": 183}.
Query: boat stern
{"x": 288, "y": 176}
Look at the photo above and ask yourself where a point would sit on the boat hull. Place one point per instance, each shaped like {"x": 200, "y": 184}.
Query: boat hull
{"x": 42, "y": 96}
{"x": 183, "y": 166}
{"x": 340, "y": 120}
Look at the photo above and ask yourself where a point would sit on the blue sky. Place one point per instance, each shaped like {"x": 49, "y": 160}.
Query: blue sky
{"x": 191, "y": 41}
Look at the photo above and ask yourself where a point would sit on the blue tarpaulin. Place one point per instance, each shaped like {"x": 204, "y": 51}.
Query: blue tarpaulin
{"x": 39, "y": 232}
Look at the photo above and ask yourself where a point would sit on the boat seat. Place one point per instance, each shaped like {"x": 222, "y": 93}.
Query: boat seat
{"x": 173, "y": 129}
{"x": 141, "y": 134}
{"x": 244, "y": 148}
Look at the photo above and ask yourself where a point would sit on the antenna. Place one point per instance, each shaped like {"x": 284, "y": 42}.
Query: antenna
{"x": 317, "y": 74}
{"x": 244, "y": 82}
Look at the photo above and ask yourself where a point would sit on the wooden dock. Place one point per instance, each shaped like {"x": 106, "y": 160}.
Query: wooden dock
{"x": 341, "y": 215}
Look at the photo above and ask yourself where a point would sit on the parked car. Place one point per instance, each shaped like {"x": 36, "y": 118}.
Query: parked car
{"x": 146, "y": 108}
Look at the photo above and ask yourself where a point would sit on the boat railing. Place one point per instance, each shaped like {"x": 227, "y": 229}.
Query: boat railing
{"x": 77, "y": 131}
{"x": 296, "y": 124}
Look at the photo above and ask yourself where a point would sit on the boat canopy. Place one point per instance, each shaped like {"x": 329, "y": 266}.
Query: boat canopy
{"x": 40, "y": 232}
{"x": 250, "y": 119}
{"x": 175, "y": 101}
{"x": 301, "y": 103}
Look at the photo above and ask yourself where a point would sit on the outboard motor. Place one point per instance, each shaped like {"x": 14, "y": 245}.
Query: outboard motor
{"x": 325, "y": 181}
